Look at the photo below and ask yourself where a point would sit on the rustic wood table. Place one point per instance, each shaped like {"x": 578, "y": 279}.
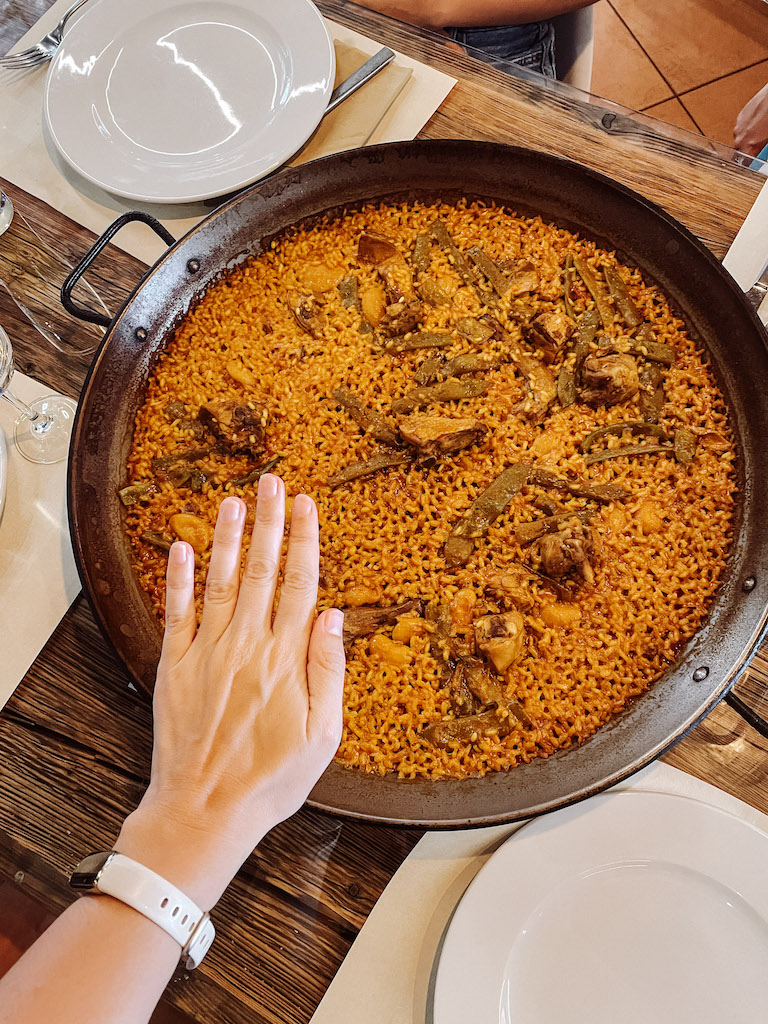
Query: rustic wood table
{"x": 75, "y": 740}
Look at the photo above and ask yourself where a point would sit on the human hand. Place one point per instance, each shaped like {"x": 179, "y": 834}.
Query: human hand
{"x": 247, "y": 710}
{"x": 750, "y": 133}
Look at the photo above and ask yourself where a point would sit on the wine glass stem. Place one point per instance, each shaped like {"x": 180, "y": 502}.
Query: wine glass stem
{"x": 40, "y": 423}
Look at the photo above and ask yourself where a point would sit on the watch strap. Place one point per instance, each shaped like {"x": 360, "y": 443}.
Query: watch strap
{"x": 151, "y": 895}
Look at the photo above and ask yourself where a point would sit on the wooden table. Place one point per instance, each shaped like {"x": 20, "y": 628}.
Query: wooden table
{"x": 76, "y": 741}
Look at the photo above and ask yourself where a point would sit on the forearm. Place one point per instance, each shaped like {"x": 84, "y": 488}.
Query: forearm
{"x": 465, "y": 13}
{"x": 101, "y": 962}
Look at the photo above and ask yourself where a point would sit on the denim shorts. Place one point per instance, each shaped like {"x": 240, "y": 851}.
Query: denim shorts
{"x": 529, "y": 46}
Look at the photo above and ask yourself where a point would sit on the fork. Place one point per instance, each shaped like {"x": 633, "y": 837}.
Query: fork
{"x": 43, "y": 51}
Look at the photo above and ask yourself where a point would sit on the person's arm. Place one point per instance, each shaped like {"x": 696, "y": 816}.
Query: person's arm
{"x": 247, "y": 717}
{"x": 750, "y": 134}
{"x": 469, "y": 13}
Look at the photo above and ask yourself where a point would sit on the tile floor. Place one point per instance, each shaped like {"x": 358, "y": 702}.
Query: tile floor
{"x": 692, "y": 63}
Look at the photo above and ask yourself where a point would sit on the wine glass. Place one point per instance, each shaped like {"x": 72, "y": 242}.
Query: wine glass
{"x": 44, "y": 427}
{"x": 34, "y": 278}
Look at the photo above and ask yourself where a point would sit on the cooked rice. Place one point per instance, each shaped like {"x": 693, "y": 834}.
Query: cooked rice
{"x": 382, "y": 536}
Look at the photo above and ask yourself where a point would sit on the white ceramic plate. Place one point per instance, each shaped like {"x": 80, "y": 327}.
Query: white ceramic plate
{"x": 170, "y": 101}
{"x": 3, "y": 471}
{"x": 627, "y": 909}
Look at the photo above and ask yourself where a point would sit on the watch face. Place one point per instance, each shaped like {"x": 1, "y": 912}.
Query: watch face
{"x": 86, "y": 875}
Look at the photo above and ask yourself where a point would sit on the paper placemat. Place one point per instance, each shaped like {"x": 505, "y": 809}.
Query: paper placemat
{"x": 748, "y": 253}
{"x": 38, "y": 576}
{"x": 392, "y": 963}
{"x": 30, "y": 160}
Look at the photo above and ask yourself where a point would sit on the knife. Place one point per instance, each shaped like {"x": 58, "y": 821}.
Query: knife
{"x": 363, "y": 74}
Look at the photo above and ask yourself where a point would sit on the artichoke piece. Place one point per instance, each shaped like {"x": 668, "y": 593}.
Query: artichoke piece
{"x": 471, "y": 362}
{"x": 489, "y": 724}
{"x": 306, "y": 312}
{"x": 373, "y": 465}
{"x": 473, "y": 329}
{"x": 135, "y": 492}
{"x": 482, "y": 512}
{"x": 348, "y": 290}
{"x": 369, "y": 421}
{"x": 448, "y": 391}
{"x": 684, "y": 445}
{"x": 527, "y": 533}
{"x": 157, "y": 540}
{"x": 433, "y": 292}
{"x": 609, "y": 380}
{"x": 429, "y": 371}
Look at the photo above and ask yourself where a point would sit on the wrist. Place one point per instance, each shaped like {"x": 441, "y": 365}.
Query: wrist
{"x": 198, "y": 862}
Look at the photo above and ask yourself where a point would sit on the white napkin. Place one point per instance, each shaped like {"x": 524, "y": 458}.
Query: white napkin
{"x": 31, "y": 161}
{"x": 38, "y": 576}
{"x": 392, "y": 962}
{"x": 749, "y": 251}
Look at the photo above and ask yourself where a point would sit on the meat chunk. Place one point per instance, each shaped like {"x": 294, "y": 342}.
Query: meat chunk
{"x": 239, "y": 427}
{"x": 440, "y": 435}
{"x": 480, "y": 683}
{"x": 567, "y": 550}
{"x": 366, "y": 620}
{"x": 469, "y": 729}
{"x": 400, "y": 317}
{"x": 608, "y": 380}
{"x": 501, "y": 638}
{"x": 390, "y": 263}
{"x": 307, "y": 313}
{"x": 549, "y": 332}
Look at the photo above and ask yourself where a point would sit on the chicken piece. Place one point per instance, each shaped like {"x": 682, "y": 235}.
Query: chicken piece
{"x": 549, "y": 332}
{"x": 480, "y": 683}
{"x": 510, "y": 588}
{"x": 459, "y": 694}
{"x": 390, "y": 263}
{"x": 501, "y": 638}
{"x": 239, "y": 427}
{"x": 306, "y": 312}
{"x": 523, "y": 278}
{"x": 366, "y": 620}
{"x": 568, "y": 550}
{"x": 440, "y": 435}
{"x": 608, "y": 380}
{"x": 400, "y": 317}
{"x": 490, "y": 724}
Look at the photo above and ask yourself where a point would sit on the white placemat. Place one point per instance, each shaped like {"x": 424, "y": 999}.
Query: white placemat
{"x": 749, "y": 251}
{"x": 29, "y": 160}
{"x": 388, "y": 974}
{"x": 38, "y": 577}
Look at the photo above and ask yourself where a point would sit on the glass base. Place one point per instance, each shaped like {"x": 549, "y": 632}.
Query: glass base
{"x": 46, "y": 440}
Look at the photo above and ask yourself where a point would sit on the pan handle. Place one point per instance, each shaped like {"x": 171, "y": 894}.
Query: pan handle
{"x": 747, "y": 713}
{"x": 90, "y": 315}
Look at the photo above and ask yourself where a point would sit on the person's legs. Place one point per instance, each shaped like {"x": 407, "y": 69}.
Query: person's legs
{"x": 529, "y": 46}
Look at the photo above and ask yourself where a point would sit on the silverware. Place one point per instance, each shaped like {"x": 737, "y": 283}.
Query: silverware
{"x": 363, "y": 74}
{"x": 759, "y": 289}
{"x": 43, "y": 51}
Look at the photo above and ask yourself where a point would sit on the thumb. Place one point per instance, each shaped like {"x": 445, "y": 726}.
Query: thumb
{"x": 325, "y": 680}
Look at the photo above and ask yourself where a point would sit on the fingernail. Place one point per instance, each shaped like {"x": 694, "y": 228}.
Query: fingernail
{"x": 267, "y": 486}
{"x": 230, "y": 510}
{"x": 334, "y": 621}
{"x": 179, "y": 553}
{"x": 302, "y": 506}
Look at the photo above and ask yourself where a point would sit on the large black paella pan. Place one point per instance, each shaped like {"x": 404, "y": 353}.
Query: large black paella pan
{"x": 716, "y": 313}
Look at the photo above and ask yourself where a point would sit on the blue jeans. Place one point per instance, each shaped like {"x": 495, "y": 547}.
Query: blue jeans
{"x": 529, "y": 46}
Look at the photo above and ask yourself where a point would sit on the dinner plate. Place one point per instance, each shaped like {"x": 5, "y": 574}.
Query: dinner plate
{"x": 187, "y": 99}
{"x": 632, "y": 907}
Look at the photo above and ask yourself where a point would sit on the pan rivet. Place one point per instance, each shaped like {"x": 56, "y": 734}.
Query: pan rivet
{"x": 672, "y": 247}
{"x": 608, "y": 120}
{"x": 749, "y": 584}
{"x": 700, "y": 674}
{"x": 193, "y": 266}
{"x": 141, "y": 333}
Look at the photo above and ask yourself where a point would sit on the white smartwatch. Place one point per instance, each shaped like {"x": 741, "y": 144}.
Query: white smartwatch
{"x": 124, "y": 879}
